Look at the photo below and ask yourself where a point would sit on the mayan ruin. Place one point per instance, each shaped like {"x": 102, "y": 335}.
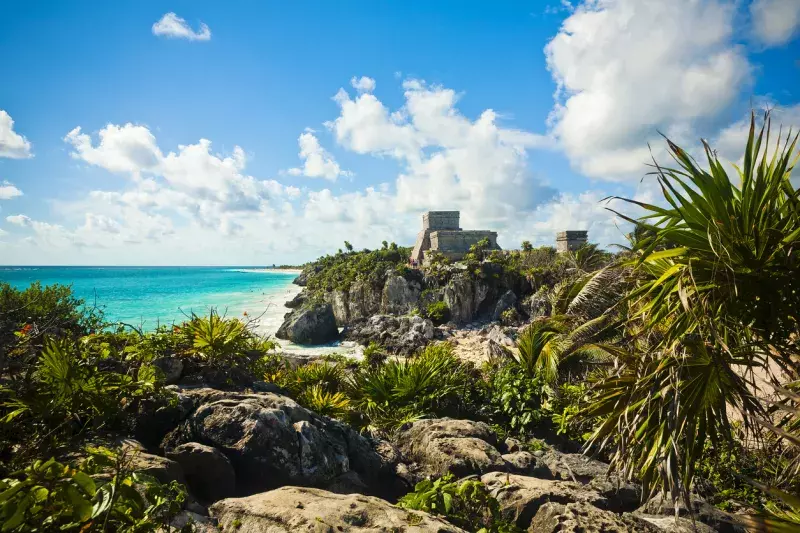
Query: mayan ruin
{"x": 441, "y": 232}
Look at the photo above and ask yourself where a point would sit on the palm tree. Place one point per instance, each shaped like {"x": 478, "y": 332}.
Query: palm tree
{"x": 716, "y": 304}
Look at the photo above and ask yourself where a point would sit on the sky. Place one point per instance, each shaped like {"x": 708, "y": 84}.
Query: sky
{"x": 252, "y": 133}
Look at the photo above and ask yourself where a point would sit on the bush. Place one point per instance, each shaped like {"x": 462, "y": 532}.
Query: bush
{"x": 515, "y": 400}
{"x": 438, "y": 312}
{"x": 51, "y": 496}
{"x": 340, "y": 271}
{"x": 374, "y": 355}
{"x": 466, "y": 504}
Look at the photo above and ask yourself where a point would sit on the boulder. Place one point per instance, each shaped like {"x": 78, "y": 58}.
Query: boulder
{"x": 363, "y": 300}
{"x": 582, "y": 517}
{"x": 348, "y": 483}
{"x": 521, "y": 462}
{"x": 193, "y": 522}
{"x": 400, "y": 295}
{"x": 272, "y": 441}
{"x": 163, "y": 469}
{"x": 507, "y": 301}
{"x": 622, "y": 496}
{"x": 299, "y": 299}
{"x": 494, "y": 351}
{"x": 703, "y": 512}
{"x": 537, "y": 305}
{"x": 461, "y": 447}
{"x": 310, "y": 324}
{"x": 669, "y": 524}
{"x": 499, "y": 335}
{"x": 208, "y": 472}
{"x": 397, "y": 334}
{"x": 171, "y": 367}
{"x": 292, "y": 509}
{"x": 521, "y": 497}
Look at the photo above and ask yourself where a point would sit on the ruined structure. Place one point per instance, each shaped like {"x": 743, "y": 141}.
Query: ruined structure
{"x": 440, "y": 232}
{"x": 569, "y": 241}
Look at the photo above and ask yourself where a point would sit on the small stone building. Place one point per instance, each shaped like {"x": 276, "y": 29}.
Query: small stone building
{"x": 440, "y": 232}
{"x": 569, "y": 241}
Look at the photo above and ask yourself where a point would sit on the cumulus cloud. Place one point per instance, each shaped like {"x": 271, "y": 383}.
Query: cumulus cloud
{"x": 318, "y": 163}
{"x": 626, "y": 69}
{"x": 775, "y": 22}
{"x": 127, "y": 148}
{"x": 447, "y": 160}
{"x": 363, "y": 84}
{"x": 19, "y": 220}
{"x": 12, "y": 144}
{"x": 8, "y": 191}
{"x": 173, "y": 26}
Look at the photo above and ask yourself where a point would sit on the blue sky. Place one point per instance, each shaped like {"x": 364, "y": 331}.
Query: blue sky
{"x": 523, "y": 115}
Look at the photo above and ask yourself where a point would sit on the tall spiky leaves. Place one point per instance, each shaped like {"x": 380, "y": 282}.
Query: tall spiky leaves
{"x": 717, "y": 299}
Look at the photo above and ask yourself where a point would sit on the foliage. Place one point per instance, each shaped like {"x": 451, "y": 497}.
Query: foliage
{"x": 707, "y": 314}
{"x": 374, "y": 355}
{"x": 50, "y": 496}
{"x": 324, "y": 402}
{"x": 68, "y": 393}
{"x": 341, "y": 270}
{"x": 435, "y": 382}
{"x": 514, "y": 399}
{"x": 438, "y": 312}
{"x": 527, "y": 246}
{"x": 565, "y": 408}
{"x": 464, "y": 503}
{"x": 28, "y": 316}
{"x": 510, "y": 317}
{"x": 588, "y": 258}
{"x": 223, "y": 342}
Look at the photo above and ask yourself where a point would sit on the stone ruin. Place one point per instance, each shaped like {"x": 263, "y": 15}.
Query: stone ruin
{"x": 569, "y": 241}
{"x": 440, "y": 232}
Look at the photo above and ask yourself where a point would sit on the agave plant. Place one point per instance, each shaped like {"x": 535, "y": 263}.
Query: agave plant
{"x": 716, "y": 303}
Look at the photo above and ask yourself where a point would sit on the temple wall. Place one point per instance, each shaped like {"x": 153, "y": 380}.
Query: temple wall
{"x": 436, "y": 220}
{"x": 458, "y": 242}
{"x": 569, "y": 241}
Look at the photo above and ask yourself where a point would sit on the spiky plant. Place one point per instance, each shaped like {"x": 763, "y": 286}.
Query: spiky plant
{"x": 716, "y": 304}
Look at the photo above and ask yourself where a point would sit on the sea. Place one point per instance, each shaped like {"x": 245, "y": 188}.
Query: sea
{"x": 145, "y": 297}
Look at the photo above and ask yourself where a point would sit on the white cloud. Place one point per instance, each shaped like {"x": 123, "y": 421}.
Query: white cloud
{"x": 12, "y": 144}
{"x": 447, "y": 160}
{"x": 173, "y": 26}
{"x": 626, "y": 69}
{"x": 127, "y": 148}
{"x": 8, "y": 191}
{"x": 775, "y": 22}
{"x": 318, "y": 163}
{"x": 363, "y": 84}
{"x": 19, "y": 220}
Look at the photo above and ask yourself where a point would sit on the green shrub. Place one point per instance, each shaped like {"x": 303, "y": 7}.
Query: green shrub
{"x": 374, "y": 354}
{"x": 466, "y": 504}
{"x": 340, "y": 271}
{"x": 515, "y": 400}
{"x": 223, "y": 342}
{"x": 438, "y": 312}
{"x": 51, "y": 496}
{"x": 510, "y": 317}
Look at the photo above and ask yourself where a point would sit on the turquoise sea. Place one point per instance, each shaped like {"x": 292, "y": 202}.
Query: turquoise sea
{"x": 147, "y": 296}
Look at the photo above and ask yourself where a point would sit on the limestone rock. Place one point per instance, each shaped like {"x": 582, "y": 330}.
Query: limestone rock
{"x": 364, "y": 300}
{"x": 272, "y": 441}
{"x": 163, "y": 469}
{"x": 208, "y": 472}
{"x": 494, "y": 351}
{"x": 461, "y": 447}
{"x": 171, "y": 367}
{"x": 499, "y": 335}
{"x": 704, "y": 512}
{"x": 584, "y": 518}
{"x": 668, "y": 524}
{"x": 293, "y": 509}
{"x": 400, "y": 295}
{"x": 521, "y": 497}
{"x": 197, "y": 522}
{"x": 298, "y": 300}
{"x": 464, "y": 296}
{"x": 507, "y": 301}
{"x": 311, "y": 324}
{"x": 398, "y": 334}
{"x": 348, "y": 483}
{"x": 521, "y": 462}
{"x": 537, "y": 304}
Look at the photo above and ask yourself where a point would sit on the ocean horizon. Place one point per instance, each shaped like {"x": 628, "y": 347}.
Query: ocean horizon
{"x": 147, "y": 296}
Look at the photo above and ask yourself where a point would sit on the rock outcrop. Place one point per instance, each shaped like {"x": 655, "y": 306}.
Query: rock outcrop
{"x": 271, "y": 441}
{"x": 581, "y": 517}
{"x": 208, "y": 471}
{"x": 400, "y": 295}
{"x": 292, "y": 509}
{"x": 460, "y": 447}
{"x": 464, "y": 296}
{"x": 398, "y": 334}
{"x": 310, "y": 324}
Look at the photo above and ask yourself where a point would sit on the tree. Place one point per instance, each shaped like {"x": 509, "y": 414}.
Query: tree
{"x": 527, "y": 246}
{"x": 348, "y": 246}
{"x": 716, "y": 302}
{"x": 385, "y": 245}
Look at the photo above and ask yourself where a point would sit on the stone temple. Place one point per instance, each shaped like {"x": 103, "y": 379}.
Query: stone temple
{"x": 440, "y": 232}
{"x": 569, "y": 241}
